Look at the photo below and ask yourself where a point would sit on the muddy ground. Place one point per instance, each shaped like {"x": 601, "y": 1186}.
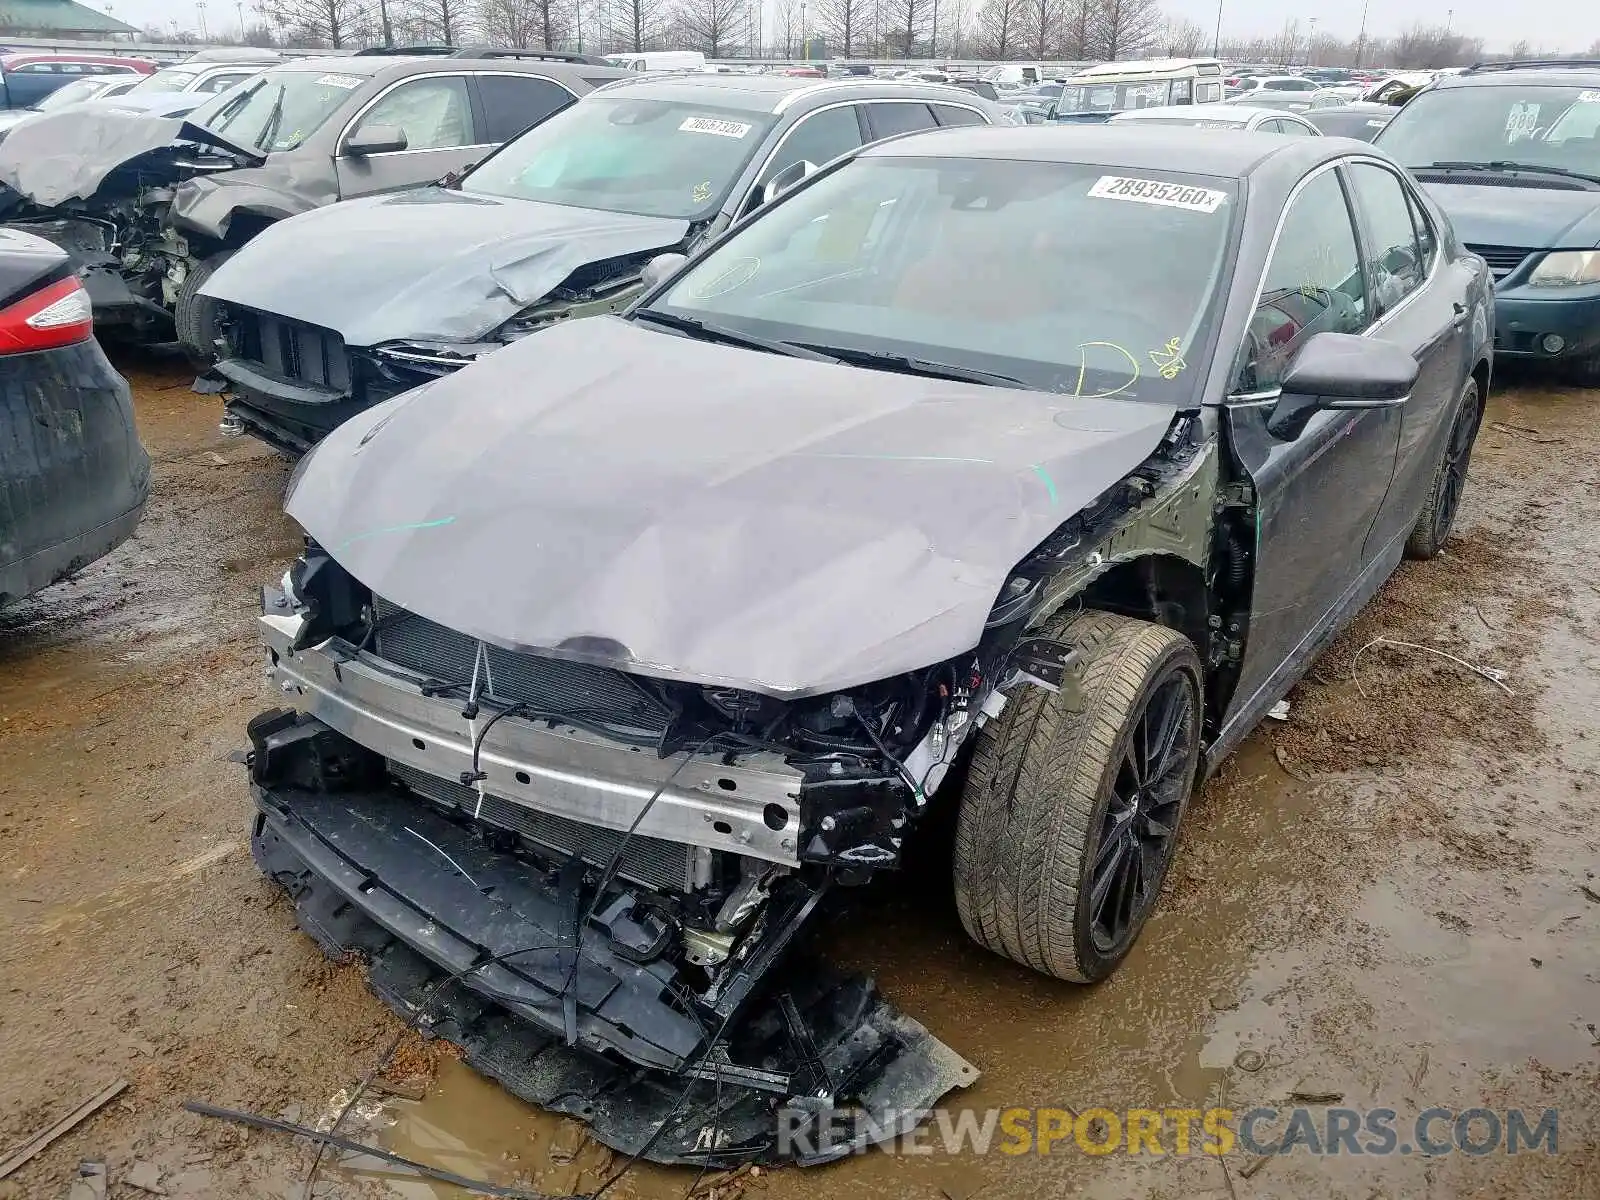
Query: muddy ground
{"x": 1390, "y": 899}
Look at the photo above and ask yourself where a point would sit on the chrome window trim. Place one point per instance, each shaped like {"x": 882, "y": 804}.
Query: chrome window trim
{"x": 788, "y": 133}
{"x": 339, "y": 142}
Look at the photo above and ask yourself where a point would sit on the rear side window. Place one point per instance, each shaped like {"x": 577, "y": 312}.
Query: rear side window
{"x": 889, "y": 119}
{"x": 1395, "y": 259}
{"x": 951, "y": 114}
{"x": 511, "y": 103}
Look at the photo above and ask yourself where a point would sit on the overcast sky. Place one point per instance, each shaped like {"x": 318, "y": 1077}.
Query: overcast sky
{"x": 1549, "y": 24}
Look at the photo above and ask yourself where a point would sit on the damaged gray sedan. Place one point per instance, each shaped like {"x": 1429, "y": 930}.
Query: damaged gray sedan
{"x": 619, "y": 654}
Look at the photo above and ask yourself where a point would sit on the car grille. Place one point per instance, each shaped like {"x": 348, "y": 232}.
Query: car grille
{"x": 669, "y": 866}
{"x": 1502, "y": 260}
{"x": 292, "y": 349}
{"x": 579, "y": 690}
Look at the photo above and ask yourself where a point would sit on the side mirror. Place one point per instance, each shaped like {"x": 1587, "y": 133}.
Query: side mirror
{"x": 661, "y": 267}
{"x": 786, "y": 179}
{"x": 375, "y": 139}
{"x": 1341, "y": 371}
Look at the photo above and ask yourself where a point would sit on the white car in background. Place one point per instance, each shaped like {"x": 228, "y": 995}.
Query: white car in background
{"x": 1221, "y": 116}
{"x": 90, "y": 87}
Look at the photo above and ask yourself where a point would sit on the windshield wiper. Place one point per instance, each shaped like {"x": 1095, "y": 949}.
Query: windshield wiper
{"x": 1504, "y": 165}
{"x": 269, "y": 129}
{"x": 695, "y": 327}
{"x": 906, "y": 365}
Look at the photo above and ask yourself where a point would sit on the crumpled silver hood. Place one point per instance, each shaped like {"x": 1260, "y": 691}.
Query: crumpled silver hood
{"x": 616, "y": 494}
{"x": 67, "y": 154}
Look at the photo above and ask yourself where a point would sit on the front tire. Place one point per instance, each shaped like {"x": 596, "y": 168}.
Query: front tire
{"x": 1070, "y": 816}
{"x": 1449, "y": 479}
{"x": 194, "y": 316}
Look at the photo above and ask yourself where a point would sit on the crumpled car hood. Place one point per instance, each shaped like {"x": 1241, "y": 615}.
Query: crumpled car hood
{"x": 615, "y": 494}
{"x": 430, "y": 264}
{"x": 1538, "y": 218}
{"x": 67, "y": 155}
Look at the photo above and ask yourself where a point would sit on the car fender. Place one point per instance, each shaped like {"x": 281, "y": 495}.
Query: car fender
{"x": 209, "y": 205}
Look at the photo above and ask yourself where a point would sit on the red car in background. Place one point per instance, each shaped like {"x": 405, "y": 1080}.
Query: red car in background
{"x": 25, "y": 79}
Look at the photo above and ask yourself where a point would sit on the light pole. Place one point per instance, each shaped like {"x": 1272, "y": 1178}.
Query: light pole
{"x": 1311, "y": 43}
{"x": 805, "y": 38}
{"x": 1216, "y": 40}
{"x": 1361, "y": 38}
{"x": 200, "y": 10}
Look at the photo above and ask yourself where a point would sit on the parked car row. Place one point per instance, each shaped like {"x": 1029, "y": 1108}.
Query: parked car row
{"x": 708, "y": 477}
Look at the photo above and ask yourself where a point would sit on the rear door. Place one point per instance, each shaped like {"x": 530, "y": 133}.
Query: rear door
{"x": 1318, "y": 494}
{"x": 435, "y": 114}
{"x": 1420, "y": 303}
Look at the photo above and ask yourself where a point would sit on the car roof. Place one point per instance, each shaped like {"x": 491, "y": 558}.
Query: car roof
{"x": 399, "y": 65}
{"x": 20, "y": 57}
{"x": 1225, "y": 153}
{"x": 1221, "y": 114}
{"x": 1492, "y": 75}
{"x": 776, "y": 93}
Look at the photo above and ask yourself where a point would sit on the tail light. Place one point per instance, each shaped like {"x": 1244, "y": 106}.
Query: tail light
{"x": 58, "y": 314}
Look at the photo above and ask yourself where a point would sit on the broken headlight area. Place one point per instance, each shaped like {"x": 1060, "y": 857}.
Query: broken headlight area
{"x": 658, "y": 847}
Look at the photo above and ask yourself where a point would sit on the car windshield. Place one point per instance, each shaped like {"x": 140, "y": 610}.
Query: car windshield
{"x": 1550, "y": 126}
{"x": 981, "y": 266}
{"x": 1115, "y": 97}
{"x": 620, "y": 154}
{"x": 72, "y": 93}
{"x": 279, "y": 109}
{"x": 168, "y": 79}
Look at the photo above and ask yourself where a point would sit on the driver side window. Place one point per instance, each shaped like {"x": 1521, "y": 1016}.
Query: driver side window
{"x": 432, "y": 113}
{"x": 1313, "y": 284}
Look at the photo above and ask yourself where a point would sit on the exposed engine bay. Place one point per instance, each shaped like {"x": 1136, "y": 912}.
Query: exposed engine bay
{"x": 619, "y": 865}
{"x": 132, "y": 262}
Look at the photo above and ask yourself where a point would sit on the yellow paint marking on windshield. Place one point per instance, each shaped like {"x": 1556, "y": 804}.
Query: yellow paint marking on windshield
{"x": 1169, "y": 359}
{"x": 1083, "y": 368}
{"x": 702, "y": 192}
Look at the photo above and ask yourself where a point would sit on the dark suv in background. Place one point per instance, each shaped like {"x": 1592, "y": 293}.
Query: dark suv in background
{"x": 149, "y": 207}
{"x": 1511, "y": 151}
{"x": 558, "y": 224}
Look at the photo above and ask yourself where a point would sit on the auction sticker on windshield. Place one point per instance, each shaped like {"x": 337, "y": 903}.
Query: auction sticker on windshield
{"x": 1154, "y": 191}
{"x": 347, "y": 82}
{"x": 733, "y": 129}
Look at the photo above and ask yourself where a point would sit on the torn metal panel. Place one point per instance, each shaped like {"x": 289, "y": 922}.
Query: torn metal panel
{"x": 777, "y": 525}
{"x": 430, "y": 265}
{"x": 722, "y": 1088}
{"x": 68, "y": 155}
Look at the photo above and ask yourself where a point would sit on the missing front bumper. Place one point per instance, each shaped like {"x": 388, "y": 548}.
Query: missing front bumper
{"x": 421, "y": 898}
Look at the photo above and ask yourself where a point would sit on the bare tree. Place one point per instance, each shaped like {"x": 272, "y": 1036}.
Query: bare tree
{"x": 1077, "y": 29}
{"x": 447, "y": 21}
{"x": 1429, "y": 47}
{"x": 1038, "y": 28}
{"x": 634, "y": 25}
{"x": 955, "y": 19}
{"x": 716, "y": 27}
{"x": 786, "y": 26}
{"x": 1123, "y": 28}
{"x": 332, "y": 23}
{"x": 1182, "y": 39}
{"x": 843, "y": 22}
{"x": 998, "y": 32}
{"x": 523, "y": 23}
{"x": 905, "y": 27}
